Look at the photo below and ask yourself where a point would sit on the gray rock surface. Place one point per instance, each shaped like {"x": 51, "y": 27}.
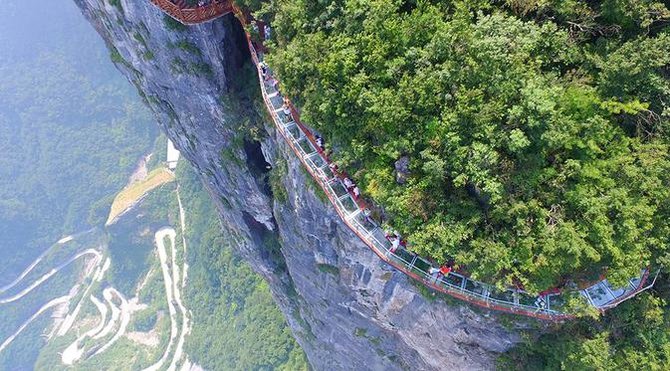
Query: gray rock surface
{"x": 346, "y": 308}
{"x": 402, "y": 170}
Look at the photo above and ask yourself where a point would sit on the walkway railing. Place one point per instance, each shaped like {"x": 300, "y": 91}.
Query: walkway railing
{"x": 195, "y": 15}
{"x": 300, "y": 139}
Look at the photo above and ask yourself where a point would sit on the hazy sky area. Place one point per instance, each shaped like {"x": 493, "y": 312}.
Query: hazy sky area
{"x": 71, "y": 127}
{"x": 33, "y": 27}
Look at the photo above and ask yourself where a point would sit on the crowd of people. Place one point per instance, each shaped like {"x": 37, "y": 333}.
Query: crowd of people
{"x": 397, "y": 242}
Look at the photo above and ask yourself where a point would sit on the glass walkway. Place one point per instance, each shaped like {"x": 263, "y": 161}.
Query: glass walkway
{"x": 301, "y": 140}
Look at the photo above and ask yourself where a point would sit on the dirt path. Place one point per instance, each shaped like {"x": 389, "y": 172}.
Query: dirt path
{"x": 96, "y": 270}
{"x": 159, "y": 238}
{"x": 103, "y": 315}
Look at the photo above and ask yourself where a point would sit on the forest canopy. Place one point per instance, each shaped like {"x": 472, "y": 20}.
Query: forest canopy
{"x": 71, "y": 129}
{"x": 537, "y": 132}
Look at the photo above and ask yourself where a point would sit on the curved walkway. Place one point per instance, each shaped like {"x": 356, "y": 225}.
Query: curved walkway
{"x": 353, "y": 213}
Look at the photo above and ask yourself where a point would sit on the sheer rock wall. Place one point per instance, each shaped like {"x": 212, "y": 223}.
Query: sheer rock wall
{"x": 346, "y": 308}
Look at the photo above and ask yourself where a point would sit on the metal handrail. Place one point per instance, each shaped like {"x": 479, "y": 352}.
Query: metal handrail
{"x": 382, "y": 248}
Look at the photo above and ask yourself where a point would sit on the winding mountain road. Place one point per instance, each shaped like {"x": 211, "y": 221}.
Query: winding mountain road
{"x": 185, "y": 324}
{"x": 55, "y": 302}
{"x": 159, "y": 238}
{"x": 48, "y": 275}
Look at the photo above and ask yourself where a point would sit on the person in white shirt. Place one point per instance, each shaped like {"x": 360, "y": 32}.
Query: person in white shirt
{"x": 395, "y": 243}
{"x": 287, "y": 111}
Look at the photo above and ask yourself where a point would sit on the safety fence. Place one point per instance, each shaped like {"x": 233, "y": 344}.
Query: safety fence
{"x": 601, "y": 295}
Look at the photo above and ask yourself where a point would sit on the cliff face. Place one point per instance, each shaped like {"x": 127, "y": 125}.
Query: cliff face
{"x": 346, "y": 308}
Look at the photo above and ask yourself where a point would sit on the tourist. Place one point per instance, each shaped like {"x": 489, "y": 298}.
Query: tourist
{"x": 287, "y": 111}
{"x": 435, "y": 272}
{"x": 395, "y": 243}
{"x": 268, "y": 32}
{"x": 348, "y": 183}
{"x": 264, "y": 69}
{"x": 445, "y": 270}
{"x": 319, "y": 142}
{"x": 357, "y": 192}
{"x": 333, "y": 168}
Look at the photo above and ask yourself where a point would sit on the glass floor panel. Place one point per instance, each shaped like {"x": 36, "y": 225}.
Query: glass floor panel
{"x": 599, "y": 294}
{"x": 475, "y": 287}
{"x": 453, "y": 280}
{"x": 349, "y": 204}
{"x": 306, "y": 146}
{"x": 331, "y": 173}
{"x": 285, "y": 119}
{"x": 504, "y": 295}
{"x": 338, "y": 188}
{"x": 617, "y": 292}
{"x": 526, "y": 299}
{"x": 378, "y": 235}
{"x": 277, "y": 101}
{"x": 422, "y": 265}
{"x": 405, "y": 255}
{"x": 318, "y": 161}
{"x": 294, "y": 131}
{"x": 268, "y": 88}
{"x": 365, "y": 222}
{"x": 635, "y": 282}
{"x": 556, "y": 302}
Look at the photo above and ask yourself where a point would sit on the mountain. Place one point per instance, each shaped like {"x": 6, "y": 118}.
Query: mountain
{"x": 77, "y": 291}
{"x": 347, "y": 309}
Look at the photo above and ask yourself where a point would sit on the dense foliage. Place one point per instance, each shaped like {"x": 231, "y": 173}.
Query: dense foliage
{"x": 237, "y": 325}
{"x": 71, "y": 131}
{"x": 635, "y": 336}
{"x": 536, "y": 131}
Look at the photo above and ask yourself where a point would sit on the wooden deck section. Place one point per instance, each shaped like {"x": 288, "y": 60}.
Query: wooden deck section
{"x": 197, "y": 15}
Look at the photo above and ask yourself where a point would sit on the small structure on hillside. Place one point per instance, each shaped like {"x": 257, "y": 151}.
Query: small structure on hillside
{"x": 172, "y": 155}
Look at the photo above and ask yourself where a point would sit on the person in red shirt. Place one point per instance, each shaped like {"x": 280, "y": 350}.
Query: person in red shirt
{"x": 445, "y": 269}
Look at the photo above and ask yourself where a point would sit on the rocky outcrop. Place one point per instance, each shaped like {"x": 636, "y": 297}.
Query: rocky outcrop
{"x": 346, "y": 308}
{"x": 402, "y": 170}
